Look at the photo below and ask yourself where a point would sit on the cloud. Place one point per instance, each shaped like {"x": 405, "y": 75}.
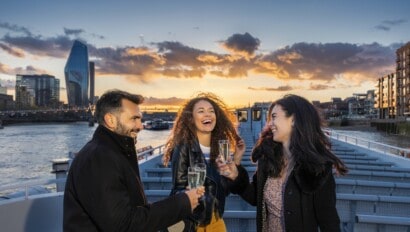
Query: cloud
{"x": 382, "y": 28}
{"x": 97, "y": 36}
{"x": 75, "y": 32}
{"x": 394, "y": 22}
{"x": 15, "y": 28}
{"x": 316, "y": 61}
{"x": 36, "y": 45}
{"x": 12, "y": 51}
{"x": 386, "y": 25}
{"x": 29, "y": 70}
{"x": 171, "y": 59}
{"x": 320, "y": 87}
{"x": 5, "y": 69}
{"x": 242, "y": 43}
{"x": 277, "y": 89}
{"x": 172, "y": 101}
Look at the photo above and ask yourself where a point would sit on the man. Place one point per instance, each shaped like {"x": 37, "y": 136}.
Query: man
{"x": 104, "y": 190}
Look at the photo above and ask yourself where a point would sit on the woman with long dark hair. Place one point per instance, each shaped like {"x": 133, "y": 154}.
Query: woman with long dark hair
{"x": 294, "y": 187}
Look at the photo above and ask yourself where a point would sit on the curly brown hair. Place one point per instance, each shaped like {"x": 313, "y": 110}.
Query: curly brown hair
{"x": 184, "y": 130}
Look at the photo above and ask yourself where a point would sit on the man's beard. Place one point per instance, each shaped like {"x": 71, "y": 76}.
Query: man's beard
{"x": 122, "y": 130}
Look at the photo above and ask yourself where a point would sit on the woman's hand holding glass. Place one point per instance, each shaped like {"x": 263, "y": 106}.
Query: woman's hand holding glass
{"x": 229, "y": 170}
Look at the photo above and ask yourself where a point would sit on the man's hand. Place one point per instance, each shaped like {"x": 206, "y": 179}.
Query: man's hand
{"x": 194, "y": 195}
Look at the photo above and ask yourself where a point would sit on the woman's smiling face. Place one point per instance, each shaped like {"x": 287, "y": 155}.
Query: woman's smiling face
{"x": 281, "y": 125}
{"x": 204, "y": 116}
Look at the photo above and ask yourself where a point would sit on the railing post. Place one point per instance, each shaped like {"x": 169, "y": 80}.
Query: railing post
{"x": 60, "y": 168}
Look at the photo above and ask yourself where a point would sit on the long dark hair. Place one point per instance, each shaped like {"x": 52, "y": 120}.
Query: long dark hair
{"x": 184, "y": 130}
{"x": 308, "y": 144}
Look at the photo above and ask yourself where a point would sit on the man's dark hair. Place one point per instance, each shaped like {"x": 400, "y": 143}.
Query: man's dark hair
{"x": 111, "y": 102}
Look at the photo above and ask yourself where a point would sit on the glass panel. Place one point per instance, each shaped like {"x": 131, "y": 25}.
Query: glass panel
{"x": 242, "y": 116}
{"x": 256, "y": 115}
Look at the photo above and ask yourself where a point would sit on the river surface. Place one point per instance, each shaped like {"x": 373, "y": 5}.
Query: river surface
{"x": 26, "y": 151}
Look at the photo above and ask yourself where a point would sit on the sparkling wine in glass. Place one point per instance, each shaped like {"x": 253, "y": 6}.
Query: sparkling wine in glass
{"x": 193, "y": 178}
{"x": 224, "y": 151}
{"x": 201, "y": 169}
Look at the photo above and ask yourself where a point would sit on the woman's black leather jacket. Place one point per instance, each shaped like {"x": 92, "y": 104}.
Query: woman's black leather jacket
{"x": 217, "y": 187}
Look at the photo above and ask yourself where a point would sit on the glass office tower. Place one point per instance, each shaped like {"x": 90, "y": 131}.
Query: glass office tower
{"x": 92, "y": 82}
{"x": 76, "y": 75}
{"x": 37, "y": 90}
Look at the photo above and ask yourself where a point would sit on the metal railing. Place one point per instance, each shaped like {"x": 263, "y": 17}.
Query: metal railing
{"x": 150, "y": 153}
{"x": 371, "y": 145}
{"x": 54, "y": 185}
{"x": 30, "y": 188}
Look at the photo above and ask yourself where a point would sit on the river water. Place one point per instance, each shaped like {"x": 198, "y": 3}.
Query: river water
{"x": 26, "y": 151}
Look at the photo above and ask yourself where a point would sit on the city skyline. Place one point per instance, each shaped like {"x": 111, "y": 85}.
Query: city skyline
{"x": 242, "y": 51}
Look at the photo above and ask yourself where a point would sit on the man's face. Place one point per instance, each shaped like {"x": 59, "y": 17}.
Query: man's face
{"x": 129, "y": 120}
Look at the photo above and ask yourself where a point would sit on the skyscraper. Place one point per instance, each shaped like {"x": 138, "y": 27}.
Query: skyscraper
{"x": 76, "y": 75}
{"x": 92, "y": 83}
{"x": 37, "y": 90}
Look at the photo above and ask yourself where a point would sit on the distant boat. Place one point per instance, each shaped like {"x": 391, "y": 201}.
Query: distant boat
{"x": 156, "y": 124}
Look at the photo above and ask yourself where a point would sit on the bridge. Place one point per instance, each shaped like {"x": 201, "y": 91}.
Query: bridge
{"x": 66, "y": 115}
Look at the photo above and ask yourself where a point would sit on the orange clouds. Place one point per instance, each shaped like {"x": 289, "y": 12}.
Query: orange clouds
{"x": 323, "y": 62}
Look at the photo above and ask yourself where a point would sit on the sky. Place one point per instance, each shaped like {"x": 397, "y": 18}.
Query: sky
{"x": 242, "y": 51}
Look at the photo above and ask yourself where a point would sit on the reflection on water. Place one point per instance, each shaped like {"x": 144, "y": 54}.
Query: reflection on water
{"x": 26, "y": 151}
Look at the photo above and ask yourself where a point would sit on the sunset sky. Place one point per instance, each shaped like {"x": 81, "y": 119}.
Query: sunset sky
{"x": 243, "y": 51}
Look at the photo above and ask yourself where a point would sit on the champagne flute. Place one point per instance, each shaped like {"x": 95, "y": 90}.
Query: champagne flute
{"x": 224, "y": 151}
{"x": 193, "y": 178}
{"x": 201, "y": 169}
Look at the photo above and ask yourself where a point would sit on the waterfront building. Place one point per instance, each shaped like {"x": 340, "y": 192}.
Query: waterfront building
{"x": 37, "y": 91}
{"x": 6, "y": 102}
{"x": 403, "y": 80}
{"x": 76, "y": 74}
{"x": 362, "y": 104}
{"x": 386, "y": 96}
{"x": 393, "y": 90}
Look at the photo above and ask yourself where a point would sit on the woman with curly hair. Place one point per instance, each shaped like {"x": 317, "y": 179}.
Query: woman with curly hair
{"x": 294, "y": 188}
{"x": 199, "y": 125}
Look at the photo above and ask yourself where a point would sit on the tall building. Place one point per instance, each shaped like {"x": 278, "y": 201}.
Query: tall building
{"x": 92, "y": 83}
{"x": 76, "y": 75}
{"x": 403, "y": 80}
{"x": 37, "y": 90}
{"x": 385, "y": 99}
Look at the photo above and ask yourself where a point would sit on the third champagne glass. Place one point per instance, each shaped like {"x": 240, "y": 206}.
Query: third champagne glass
{"x": 201, "y": 169}
{"x": 224, "y": 151}
{"x": 193, "y": 178}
